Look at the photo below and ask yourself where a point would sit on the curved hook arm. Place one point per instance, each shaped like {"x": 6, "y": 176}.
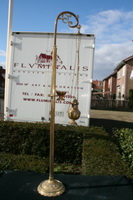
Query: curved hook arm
{"x": 65, "y": 17}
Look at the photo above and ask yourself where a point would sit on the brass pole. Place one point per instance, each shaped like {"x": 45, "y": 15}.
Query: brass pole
{"x": 52, "y": 187}
{"x": 52, "y": 120}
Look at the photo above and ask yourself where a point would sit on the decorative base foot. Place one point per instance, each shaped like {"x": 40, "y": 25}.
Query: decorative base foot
{"x": 51, "y": 188}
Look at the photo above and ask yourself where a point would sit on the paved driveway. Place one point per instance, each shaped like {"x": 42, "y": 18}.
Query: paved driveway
{"x": 111, "y": 119}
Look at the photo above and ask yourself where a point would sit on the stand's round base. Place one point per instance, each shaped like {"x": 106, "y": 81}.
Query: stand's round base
{"x": 51, "y": 188}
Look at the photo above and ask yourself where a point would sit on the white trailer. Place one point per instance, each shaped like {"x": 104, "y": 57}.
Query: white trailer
{"x": 28, "y": 76}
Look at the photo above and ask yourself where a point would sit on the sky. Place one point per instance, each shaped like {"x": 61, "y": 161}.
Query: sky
{"x": 110, "y": 21}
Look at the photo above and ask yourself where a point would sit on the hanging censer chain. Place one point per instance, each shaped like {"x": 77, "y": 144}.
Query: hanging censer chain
{"x": 75, "y": 82}
{"x": 74, "y": 113}
{"x": 78, "y": 68}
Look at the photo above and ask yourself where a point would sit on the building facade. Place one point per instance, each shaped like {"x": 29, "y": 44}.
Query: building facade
{"x": 97, "y": 88}
{"x": 109, "y": 86}
{"x": 120, "y": 82}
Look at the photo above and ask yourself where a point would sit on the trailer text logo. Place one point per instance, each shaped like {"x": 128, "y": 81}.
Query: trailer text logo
{"x": 44, "y": 61}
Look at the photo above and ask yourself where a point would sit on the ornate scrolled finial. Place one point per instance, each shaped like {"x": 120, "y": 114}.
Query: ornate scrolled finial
{"x": 65, "y": 17}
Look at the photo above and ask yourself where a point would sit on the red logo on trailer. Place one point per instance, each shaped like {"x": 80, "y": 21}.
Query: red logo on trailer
{"x": 44, "y": 58}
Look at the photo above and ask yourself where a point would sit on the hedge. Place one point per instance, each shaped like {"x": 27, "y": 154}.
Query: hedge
{"x": 101, "y": 155}
{"x": 124, "y": 138}
{"x": 33, "y": 139}
{"x": 23, "y": 163}
{"x": 85, "y": 150}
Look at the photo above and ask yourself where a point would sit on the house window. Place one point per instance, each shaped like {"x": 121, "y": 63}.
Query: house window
{"x": 118, "y": 74}
{"x": 118, "y": 92}
{"x": 100, "y": 83}
{"x": 122, "y": 91}
{"x": 124, "y": 70}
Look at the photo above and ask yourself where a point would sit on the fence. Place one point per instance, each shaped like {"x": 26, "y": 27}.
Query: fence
{"x": 109, "y": 104}
{"x": 101, "y": 104}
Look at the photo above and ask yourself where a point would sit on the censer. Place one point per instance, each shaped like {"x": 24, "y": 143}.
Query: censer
{"x": 74, "y": 112}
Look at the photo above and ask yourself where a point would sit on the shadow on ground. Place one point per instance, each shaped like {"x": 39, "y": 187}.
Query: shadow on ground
{"x": 23, "y": 185}
{"x": 109, "y": 125}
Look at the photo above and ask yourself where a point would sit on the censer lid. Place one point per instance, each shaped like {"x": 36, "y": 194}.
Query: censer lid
{"x": 75, "y": 102}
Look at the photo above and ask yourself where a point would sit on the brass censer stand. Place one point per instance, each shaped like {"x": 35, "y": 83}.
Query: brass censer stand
{"x": 53, "y": 187}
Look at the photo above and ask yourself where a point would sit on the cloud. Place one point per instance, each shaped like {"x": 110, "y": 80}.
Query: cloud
{"x": 2, "y": 58}
{"x": 113, "y": 31}
{"x": 2, "y": 53}
{"x": 108, "y": 56}
{"x": 109, "y": 25}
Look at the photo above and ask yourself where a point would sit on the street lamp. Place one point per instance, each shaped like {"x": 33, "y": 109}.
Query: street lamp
{"x": 53, "y": 187}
